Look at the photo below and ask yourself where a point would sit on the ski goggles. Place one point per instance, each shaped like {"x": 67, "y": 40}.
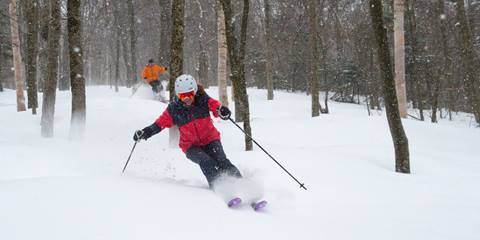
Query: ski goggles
{"x": 183, "y": 96}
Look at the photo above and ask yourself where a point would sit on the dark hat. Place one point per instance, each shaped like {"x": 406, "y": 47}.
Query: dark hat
{"x": 150, "y": 60}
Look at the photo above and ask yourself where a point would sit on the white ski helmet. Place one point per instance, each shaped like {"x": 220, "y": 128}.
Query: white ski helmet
{"x": 185, "y": 83}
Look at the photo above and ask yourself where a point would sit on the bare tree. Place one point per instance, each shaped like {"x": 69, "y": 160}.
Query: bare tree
{"x": 133, "y": 42}
{"x": 77, "y": 79}
{"x": 118, "y": 30}
{"x": 176, "y": 56}
{"x": 313, "y": 41}
{"x": 222, "y": 56}
{"x": 165, "y": 24}
{"x": 417, "y": 82}
{"x": 50, "y": 86}
{"x": 17, "y": 57}
{"x": 400, "y": 141}
{"x": 399, "y": 35}
{"x": 32, "y": 51}
{"x": 236, "y": 56}
{"x": 469, "y": 60}
{"x": 268, "y": 50}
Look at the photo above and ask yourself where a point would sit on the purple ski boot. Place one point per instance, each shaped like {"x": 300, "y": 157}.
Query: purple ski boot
{"x": 234, "y": 202}
{"x": 257, "y": 206}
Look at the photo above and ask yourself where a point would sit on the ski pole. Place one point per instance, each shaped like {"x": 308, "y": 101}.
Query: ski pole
{"x": 302, "y": 185}
{"x": 128, "y": 160}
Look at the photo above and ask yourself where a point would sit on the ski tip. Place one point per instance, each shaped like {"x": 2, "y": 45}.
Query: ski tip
{"x": 234, "y": 202}
{"x": 259, "y": 205}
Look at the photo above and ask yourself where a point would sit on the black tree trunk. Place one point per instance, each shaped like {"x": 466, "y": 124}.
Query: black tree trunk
{"x": 400, "y": 141}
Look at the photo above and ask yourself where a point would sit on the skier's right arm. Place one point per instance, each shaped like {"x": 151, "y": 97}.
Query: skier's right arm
{"x": 164, "y": 121}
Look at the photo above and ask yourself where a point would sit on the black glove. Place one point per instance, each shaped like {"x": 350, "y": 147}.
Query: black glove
{"x": 147, "y": 132}
{"x": 138, "y": 135}
{"x": 224, "y": 112}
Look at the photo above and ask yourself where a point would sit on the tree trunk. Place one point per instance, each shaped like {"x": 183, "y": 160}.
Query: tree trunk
{"x": 444, "y": 71}
{"x": 1, "y": 68}
{"x": 32, "y": 51}
{"x": 17, "y": 57}
{"x": 117, "y": 44}
{"x": 64, "y": 68}
{"x": 50, "y": 86}
{"x": 446, "y": 74}
{"x": 399, "y": 36}
{"x": 222, "y": 56}
{"x": 469, "y": 61}
{"x": 133, "y": 43}
{"x": 77, "y": 80}
{"x": 176, "y": 56}
{"x": 43, "y": 49}
{"x": 416, "y": 81}
{"x": 203, "y": 67}
{"x": 268, "y": 50}
{"x": 237, "y": 66}
{"x": 400, "y": 141}
{"x": 314, "y": 58}
{"x": 126, "y": 60}
{"x": 164, "y": 31}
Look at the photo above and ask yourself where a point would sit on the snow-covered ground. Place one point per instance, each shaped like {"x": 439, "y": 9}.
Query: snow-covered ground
{"x": 57, "y": 189}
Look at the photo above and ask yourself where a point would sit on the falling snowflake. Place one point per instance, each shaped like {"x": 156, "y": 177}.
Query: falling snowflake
{"x": 76, "y": 49}
{"x": 443, "y": 16}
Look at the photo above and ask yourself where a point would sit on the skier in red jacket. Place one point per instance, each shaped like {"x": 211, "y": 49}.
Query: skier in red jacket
{"x": 199, "y": 139}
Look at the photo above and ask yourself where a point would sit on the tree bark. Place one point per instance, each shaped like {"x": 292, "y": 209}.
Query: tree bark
{"x": 1, "y": 68}
{"x": 164, "y": 30}
{"x": 117, "y": 44}
{"x": 400, "y": 141}
{"x": 176, "y": 56}
{"x": 17, "y": 57}
{"x": 50, "y": 86}
{"x": 313, "y": 42}
{"x": 236, "y": 57}
{"x": 222, "y": 56}
{"x": 133, "y": 43}
{"x": 64, "y": 80}
{"x": 445, "y": 70}
{"x": 268, "y": 50}
{"x": 416, "y": 81}
{"x": 469, "y": 60}
{"x": 32, "y": 51}
{"x": 79, "y": 109}
{"x": 399, "y": 36}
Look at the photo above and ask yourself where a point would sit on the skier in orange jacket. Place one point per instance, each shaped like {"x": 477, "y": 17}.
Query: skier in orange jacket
{"x": 150, "y": 75}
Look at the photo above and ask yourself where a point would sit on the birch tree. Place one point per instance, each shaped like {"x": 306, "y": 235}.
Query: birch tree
{"x": 17, "y": 57}
{"x": 222, "y": 56}
{"x": 268, "y": 50}
{"x": 399, "y": 38}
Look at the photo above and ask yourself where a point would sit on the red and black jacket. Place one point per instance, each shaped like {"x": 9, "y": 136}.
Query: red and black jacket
{"x": 194, "y": 122}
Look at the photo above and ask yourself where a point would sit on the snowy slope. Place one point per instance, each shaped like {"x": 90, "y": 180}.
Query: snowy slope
{"x": 57, "y": 189}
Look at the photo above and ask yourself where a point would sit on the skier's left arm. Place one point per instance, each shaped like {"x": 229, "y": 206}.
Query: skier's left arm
{"x": 218, "y": 110}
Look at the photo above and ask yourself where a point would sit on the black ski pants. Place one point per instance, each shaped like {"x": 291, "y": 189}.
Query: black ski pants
{"x": 156, "y": 86}
{"x": 213, "y": 161}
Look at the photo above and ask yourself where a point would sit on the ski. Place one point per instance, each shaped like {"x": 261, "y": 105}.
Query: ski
{"x": 257, "y": 206}
{"x": 234, "y": 202}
